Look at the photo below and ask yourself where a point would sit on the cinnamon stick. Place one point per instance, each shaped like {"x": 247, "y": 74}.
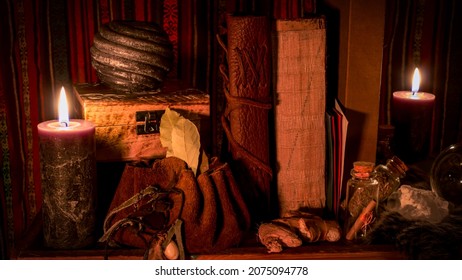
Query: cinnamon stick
{"x": 361, "y": 220}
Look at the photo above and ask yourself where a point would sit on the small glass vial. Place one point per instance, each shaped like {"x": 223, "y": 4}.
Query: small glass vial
{"x": 389, "y": 176}
{"x": 361, "y": 202}
{"x": 384, "y": 140}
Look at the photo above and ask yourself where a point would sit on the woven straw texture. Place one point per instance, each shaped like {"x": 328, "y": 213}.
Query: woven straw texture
{"x": 300, "y": 88}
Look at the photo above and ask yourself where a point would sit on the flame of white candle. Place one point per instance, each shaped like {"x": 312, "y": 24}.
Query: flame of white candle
{"x": 415, "y": 81}
{"x": 63, "y": 110}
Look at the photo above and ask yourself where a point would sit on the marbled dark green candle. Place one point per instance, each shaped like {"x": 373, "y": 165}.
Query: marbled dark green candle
{"x": 68, "y": 171}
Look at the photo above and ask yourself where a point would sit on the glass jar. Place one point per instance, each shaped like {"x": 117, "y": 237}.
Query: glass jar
{"x": 384, "y": 140}
{"x": 361, "y": 200}
{"x": 389, "y": 176}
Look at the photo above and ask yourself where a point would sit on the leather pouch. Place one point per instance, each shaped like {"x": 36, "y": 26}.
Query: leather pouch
{"x": 150, "y": 200}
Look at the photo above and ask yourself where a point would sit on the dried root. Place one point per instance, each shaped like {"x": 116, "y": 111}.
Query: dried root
{"x": 275, "y": 237}
{"x": 295, "y": 228}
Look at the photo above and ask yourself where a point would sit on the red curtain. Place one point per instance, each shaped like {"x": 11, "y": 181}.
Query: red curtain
{"x": 24, "y": 74}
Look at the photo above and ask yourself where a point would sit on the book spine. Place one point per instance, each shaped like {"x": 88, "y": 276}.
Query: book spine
{"x": 300, "y": 89}
{"x": 248, "y": 102}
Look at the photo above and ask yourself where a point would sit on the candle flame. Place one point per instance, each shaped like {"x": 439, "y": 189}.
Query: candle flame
{"x": 415, "y": 81}
{"x": 63, "y": 110}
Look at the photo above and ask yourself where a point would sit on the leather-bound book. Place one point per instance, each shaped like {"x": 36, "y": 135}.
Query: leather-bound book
{"x": 247, "y": 88}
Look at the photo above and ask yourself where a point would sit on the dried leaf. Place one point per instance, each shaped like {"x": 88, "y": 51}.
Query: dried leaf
{"x": 186, "y": 143}
{"x": 167, "y": 123}
{"x": 181, "y": 138}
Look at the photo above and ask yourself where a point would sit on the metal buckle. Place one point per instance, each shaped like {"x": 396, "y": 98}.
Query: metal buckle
{"x": 151, "y": 122}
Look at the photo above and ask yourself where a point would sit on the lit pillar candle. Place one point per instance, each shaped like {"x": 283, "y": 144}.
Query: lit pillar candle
{"x": 412, "y": 116}
{"x": 68, "y": 170}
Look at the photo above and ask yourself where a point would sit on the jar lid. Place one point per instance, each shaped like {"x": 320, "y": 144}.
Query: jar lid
{"x": 363, "y": 166}
{"x": 399, "y": 164}
{"x": 363, "y": 169}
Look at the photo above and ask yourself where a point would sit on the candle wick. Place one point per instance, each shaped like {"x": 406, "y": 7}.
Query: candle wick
{"x": 413, "y": 93}
{"x": 65, "y": 124}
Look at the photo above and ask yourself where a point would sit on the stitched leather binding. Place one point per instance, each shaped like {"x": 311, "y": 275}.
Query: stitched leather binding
{"x": 248, "y": 101}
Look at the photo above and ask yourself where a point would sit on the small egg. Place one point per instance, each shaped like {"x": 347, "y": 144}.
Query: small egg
{"x": 171, "y": 251}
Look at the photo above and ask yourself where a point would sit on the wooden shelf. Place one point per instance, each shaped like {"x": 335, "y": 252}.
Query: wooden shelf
{"x": 31, "y": 248}
{"x": 315, "y": 251}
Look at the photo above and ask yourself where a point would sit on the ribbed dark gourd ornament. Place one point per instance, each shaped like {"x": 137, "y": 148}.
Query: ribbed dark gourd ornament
{"x": 132, "y": 56}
